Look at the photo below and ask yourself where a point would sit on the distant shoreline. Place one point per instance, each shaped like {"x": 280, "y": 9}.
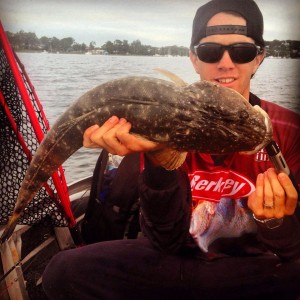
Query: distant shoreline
{"x": 111, "y": 54}
{"x": 28, "y": 41}
{"x": 98, "y": 54}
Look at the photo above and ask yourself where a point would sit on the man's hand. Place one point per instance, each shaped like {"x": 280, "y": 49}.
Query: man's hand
{"x": 114, "y": 136}
{"x": 275, "y": 196}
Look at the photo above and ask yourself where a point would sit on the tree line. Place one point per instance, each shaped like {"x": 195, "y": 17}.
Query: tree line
{"x": 137, "y": 48}
{"x": 28, "y": 41}
{"x": 288, "y": 48}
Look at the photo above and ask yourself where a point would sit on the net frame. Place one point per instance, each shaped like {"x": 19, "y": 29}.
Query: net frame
{"x": 23, "y": 125}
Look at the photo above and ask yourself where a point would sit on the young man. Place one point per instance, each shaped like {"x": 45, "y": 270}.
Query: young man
{"x": 242, "y": 244}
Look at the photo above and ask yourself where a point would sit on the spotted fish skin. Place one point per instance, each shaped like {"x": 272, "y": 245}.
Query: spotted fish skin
{"x": 203, "y": 117}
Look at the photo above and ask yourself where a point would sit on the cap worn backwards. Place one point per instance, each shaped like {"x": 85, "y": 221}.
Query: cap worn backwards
{"x": 248, "y": 9}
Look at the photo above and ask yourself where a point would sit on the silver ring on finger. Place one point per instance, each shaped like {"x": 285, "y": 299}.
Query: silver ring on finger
{"x": 269, "y": 205}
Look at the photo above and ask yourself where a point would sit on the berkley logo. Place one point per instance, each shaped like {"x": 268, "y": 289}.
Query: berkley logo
{"x": 213, "y": 186}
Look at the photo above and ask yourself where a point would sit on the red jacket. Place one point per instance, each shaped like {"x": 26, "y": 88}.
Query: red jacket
{"x": 166, "y": 196}
{"x": 235, "y": 175}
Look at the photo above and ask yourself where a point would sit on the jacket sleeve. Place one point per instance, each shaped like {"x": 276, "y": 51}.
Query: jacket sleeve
{"x": 165, "y": 207}
{"x": 284, "y": 240}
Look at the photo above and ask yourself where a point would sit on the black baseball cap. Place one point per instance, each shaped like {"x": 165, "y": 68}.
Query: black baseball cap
{"x": 248, "y": 9}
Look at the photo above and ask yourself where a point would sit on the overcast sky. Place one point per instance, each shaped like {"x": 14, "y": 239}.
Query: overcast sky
{"x": 153, "y": 22}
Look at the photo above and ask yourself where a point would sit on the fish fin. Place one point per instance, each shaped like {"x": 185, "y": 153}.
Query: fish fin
{"x": 66, "y": 125}
{"x": 176, "y": 79}
{"x": 202, "y": 216}
{"x": 226, "y": 208}
{"x": 168, "y": 158}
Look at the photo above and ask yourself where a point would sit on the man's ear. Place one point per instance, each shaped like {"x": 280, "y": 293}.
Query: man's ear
{"x": 194, "y": 60}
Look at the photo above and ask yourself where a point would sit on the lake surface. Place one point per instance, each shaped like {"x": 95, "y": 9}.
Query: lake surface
{"x": 59, "y": 79}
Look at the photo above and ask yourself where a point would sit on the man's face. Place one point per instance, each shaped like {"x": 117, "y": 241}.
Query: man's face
{"x": 226, "y": 72}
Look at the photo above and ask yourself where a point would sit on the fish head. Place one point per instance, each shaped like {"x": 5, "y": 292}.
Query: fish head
{"x": 226, "y": 119}
{"x": 268, "y": 135}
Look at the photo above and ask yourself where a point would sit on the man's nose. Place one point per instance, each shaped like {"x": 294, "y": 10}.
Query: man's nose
{"x": 226, "y": 61}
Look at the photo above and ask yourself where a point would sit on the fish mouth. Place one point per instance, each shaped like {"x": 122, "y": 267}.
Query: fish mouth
{"x": 268, "y": 135}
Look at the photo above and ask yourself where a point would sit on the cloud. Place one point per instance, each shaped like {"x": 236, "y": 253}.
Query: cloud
{"x": 154, "y": 22}
{"x": 283, "y": 25}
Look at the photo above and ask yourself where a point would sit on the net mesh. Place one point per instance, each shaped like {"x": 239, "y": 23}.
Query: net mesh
{"x": 13, "y": 159}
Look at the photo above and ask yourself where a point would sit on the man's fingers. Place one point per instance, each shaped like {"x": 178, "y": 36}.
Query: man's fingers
{"x": 268, "y": 201}
{"x": 87, "y": 134}
{"x": 114, "y": 136}
{"x": 278, "y": 193}
{"x": 111, "y": 141}
{"x": 256, "y": 199}
{"x": 290, "y": 193}
{"x": 274, "y": 197}
{"x": 91, "y": 129}
{"x": 133, "y": 142}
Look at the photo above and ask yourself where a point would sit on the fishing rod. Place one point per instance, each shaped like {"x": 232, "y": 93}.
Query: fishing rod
{"x": 279, "y": 162}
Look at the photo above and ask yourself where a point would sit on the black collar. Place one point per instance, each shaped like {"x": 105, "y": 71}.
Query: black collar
{"x": 254, "y": 100}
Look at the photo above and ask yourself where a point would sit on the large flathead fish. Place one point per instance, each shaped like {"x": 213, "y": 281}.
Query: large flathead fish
{"x": 203, "y": 117}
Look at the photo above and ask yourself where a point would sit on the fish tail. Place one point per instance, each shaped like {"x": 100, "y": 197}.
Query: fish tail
{"x": 9, "y": 228}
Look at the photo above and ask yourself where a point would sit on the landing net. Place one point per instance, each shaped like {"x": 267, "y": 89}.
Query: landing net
{"x": 19, "y": 138}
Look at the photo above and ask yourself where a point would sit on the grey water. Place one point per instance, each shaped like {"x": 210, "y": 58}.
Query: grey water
{"x": 59, "y": 79}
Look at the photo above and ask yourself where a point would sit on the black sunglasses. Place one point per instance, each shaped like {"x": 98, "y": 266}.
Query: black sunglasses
{"x": 240, "y": 53}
